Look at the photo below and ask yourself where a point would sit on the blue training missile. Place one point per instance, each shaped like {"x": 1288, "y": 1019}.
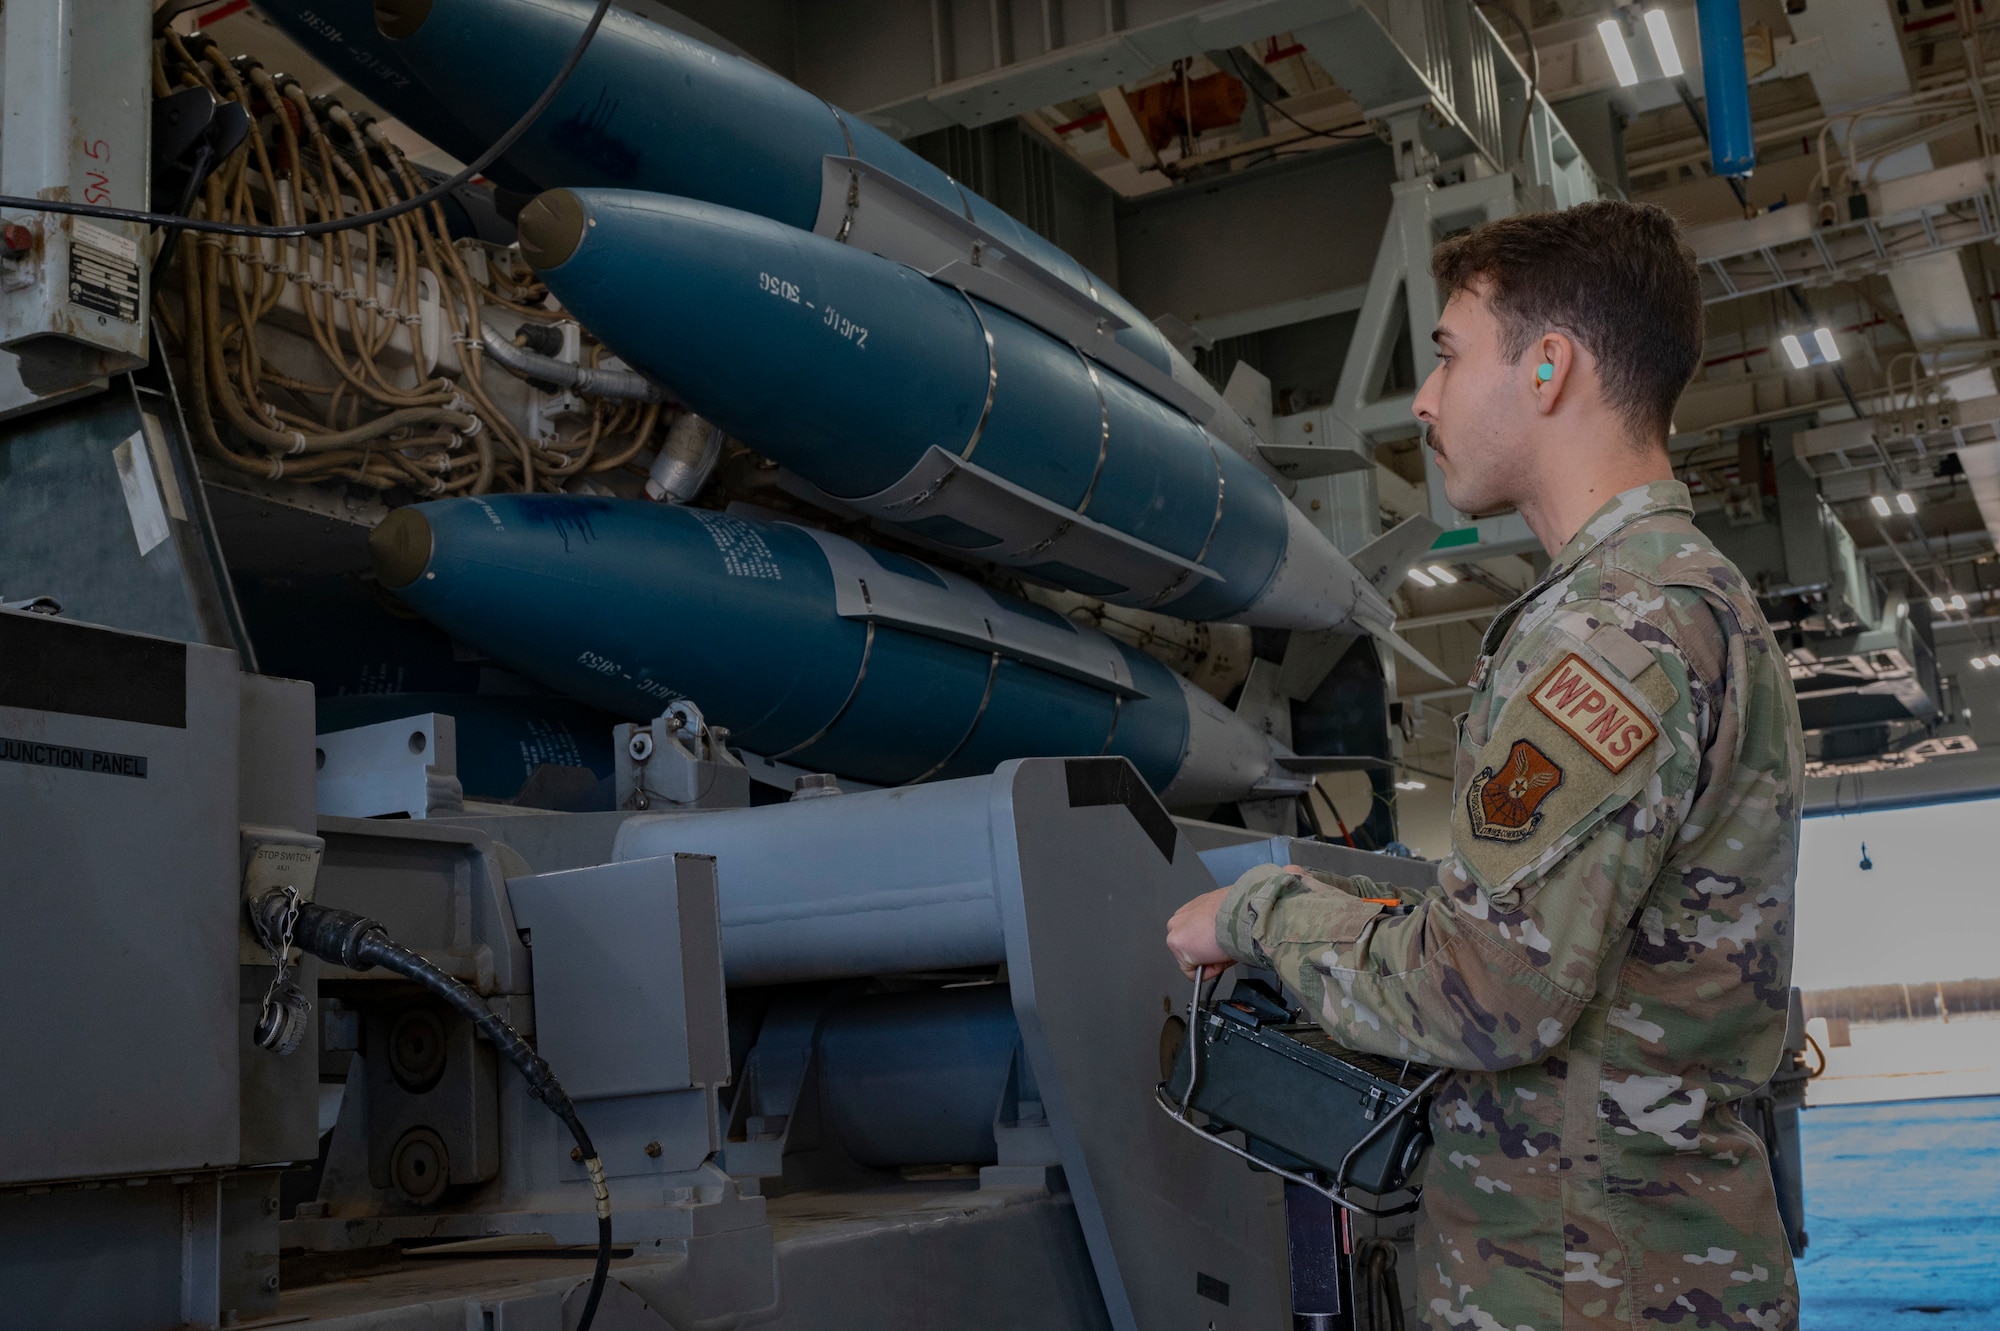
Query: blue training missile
{"x": 653, "y": 109}
{"x": 650, "y": 108}
{"x": 810, "y": 648}
{"x": 915, "y": 403}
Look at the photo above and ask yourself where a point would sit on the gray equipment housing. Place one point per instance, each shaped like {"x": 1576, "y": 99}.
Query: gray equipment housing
{"x": 141, "y": 780}
{"x": 1046, "y": 867}
{"x": 925, "y": 1098}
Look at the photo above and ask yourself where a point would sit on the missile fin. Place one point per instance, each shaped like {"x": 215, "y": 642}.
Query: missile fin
{"x": 1241, "y": 417}
{"x": 1249, "y": 394}
{"x": 1264, "y": 705}
{"x": 940, "y": 604}
{"x": 1385, "y": 562}
{"x": 1181, "y": 335}
{"x": 1403, "y": 649}
{"x": 1388, "y": 559}
{"x": 1278, "y": 817}
{"x": 1309, "y": 656}
{"x": 1332, "y": 762}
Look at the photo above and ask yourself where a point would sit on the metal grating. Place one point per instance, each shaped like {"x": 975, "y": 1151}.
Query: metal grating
{"x": 1930, "y": 213}
{"x": 1898, "y": 441}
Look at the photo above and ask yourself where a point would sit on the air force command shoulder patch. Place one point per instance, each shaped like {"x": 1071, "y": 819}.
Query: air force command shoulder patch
{"x": 1502, "y": 806}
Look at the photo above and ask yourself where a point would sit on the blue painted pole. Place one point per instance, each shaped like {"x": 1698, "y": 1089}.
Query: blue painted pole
{"x": 1726, "y": 80}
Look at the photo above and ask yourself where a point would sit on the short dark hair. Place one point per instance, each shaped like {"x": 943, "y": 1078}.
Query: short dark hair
{"x": 1615, "y": 276}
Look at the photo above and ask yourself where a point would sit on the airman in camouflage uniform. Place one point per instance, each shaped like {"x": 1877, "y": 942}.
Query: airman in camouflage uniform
{"x": 1606, "y": 959}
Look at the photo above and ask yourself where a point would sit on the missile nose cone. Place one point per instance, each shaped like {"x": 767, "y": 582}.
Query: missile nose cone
{"x": 550, "y": 228}
{"x": 401, "y": 547}
{"x": 398, "y": 19}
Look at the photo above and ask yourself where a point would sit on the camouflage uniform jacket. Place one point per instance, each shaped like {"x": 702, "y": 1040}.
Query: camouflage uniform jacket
{"x": 1606, "y": 959}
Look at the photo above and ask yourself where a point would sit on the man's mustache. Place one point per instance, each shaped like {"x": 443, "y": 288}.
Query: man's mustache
{"x": 1432, "y": 440}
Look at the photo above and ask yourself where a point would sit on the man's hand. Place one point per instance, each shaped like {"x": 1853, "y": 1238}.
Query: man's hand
{"x": 1191, "y": 936}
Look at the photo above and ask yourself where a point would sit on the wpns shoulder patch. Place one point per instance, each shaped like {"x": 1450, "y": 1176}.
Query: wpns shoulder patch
{"x": 1594, "y": 712}
{"x": 1503, "y": 806}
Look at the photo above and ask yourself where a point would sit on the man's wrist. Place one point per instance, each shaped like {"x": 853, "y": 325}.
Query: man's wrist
{"x": 1245, "y": 908}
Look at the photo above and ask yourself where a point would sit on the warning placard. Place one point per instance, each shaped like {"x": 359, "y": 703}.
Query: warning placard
{"x": 104, "y": 271}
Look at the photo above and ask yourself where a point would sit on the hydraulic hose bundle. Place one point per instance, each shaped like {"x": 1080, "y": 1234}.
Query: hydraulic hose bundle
{"x": 358, "y": 286}
{"x": 359, "y": 943}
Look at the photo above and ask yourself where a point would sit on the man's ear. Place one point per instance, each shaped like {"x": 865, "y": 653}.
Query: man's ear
{"x": 1553, "y": 360}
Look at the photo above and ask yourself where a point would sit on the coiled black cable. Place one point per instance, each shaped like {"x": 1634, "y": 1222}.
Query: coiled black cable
{"x": 1381, "y": 1295}
{"x": 360, "y": 944}
{"x": 411, "y": 204}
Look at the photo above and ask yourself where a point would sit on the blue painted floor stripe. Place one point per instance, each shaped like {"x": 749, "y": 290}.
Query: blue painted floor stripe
{"x": 1902, "y": 1217}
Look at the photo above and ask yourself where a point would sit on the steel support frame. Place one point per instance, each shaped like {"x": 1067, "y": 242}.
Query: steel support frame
{"x": 1391, "y": 54}
{"x": 1438, "y": 75}
{"x": 1403, "y": 297}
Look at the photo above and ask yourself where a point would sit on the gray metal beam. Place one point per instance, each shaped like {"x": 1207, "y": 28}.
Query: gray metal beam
{"x": 912, "y": 66}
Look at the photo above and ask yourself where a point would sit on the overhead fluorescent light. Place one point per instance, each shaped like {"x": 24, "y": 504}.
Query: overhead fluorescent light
{"x": 1881, "y": 504}
{"x": 1443, "y": 574}
{"x": 1409, "y": 785}
{"x": 1827, "y": 346}
{"x": 1937, "y": 604}
{"x": 1907, "y": 504}
{"x": 1957, "y": 602}
{"x": 1621, "y": 58}
{"x": 1797, "y": 353}
{"x": 1421, "y": 578}
{"x": 1979, "y": 663}
{"x": 1663, "y": 43}
{"x": 1993, "y": 659}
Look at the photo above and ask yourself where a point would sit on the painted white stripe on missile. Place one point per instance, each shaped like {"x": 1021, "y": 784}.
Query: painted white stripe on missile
{"x": 853, "y": 692}
{"x": 992, "y": 379}
{"x": 1103, "y": 434}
